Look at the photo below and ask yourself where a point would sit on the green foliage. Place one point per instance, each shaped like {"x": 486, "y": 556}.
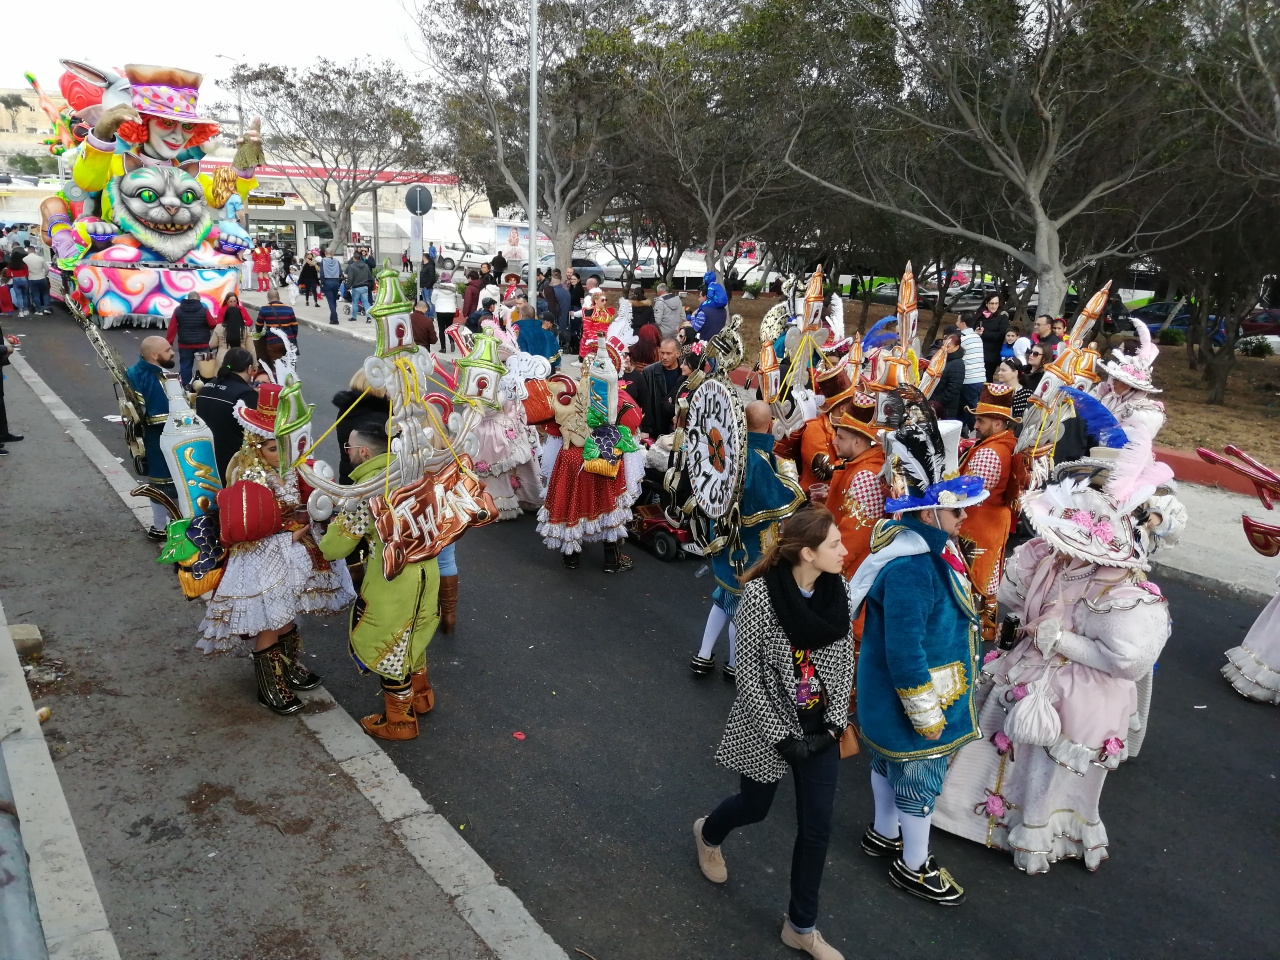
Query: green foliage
{"x": 409, "y": 287}
{"x": 33, "y": 166}
{"x": 1255, "y": 347}
{"x": 1172, "y": 338}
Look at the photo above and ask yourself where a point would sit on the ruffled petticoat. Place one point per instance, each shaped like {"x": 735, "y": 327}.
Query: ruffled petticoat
{"x": 583, "y": 507}
{"x": 265, "y": 585}
{"x": 1038, "y": 803}
{"x": 508, "y": 463}
{"x": 1254, "y": 667}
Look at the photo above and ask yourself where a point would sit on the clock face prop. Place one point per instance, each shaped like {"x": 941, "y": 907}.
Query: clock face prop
{"x": 715, "y": 445}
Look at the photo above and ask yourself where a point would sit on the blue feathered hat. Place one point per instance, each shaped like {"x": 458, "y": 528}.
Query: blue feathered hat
{"x": 923, "y": 458}
{"x": 717, "y": 296}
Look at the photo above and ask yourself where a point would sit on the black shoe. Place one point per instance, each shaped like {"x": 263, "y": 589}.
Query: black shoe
{"x": 623, "y": 564}
{"x": 702, "y": 665}
{"x": 155, "y": 533}
{"x": 930, "y": 882}
{"x": 10, "y": 438}
{"x": 730, "y": 673}
{"x": 333, "y": 323}
{"x": 878, "y": 845}
{"x": 3, "y": 452}
{"x": 571, "y": 560}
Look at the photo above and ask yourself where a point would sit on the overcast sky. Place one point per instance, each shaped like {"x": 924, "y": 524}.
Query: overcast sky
{"x": 296, "y": 34}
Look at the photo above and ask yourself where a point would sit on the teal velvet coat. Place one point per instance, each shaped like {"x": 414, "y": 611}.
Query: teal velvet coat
{"x": 918, "y": 662}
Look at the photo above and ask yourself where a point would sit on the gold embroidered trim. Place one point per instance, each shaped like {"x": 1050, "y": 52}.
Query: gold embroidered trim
{"x": 950, "y": 682}
{"x": 884, "y": 533}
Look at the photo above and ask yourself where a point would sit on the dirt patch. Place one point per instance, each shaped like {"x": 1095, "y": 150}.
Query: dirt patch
{"x": 1250, "y": 418}
{"x": 285, "y": 944}
{"x": 202, "y": 798}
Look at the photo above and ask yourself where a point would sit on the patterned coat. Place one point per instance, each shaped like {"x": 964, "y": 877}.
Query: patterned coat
{"x": 988, "y": 523}
{"x": 857, "y": 500}
{"x": 764, "y": 710}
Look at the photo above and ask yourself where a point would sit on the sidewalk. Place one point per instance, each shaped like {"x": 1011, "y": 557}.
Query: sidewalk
{"x": 212, "y": 827}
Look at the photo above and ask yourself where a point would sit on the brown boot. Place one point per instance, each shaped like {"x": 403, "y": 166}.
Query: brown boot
{"x": 448, "y": 605}
{"x": 424, "y": 698}
{"x": 398, "y": 722}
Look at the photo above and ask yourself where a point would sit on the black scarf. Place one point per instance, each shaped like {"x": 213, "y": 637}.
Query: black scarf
{"x": 809, "y": 622}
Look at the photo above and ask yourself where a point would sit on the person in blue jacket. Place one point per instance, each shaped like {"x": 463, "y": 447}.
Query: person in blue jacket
{"x": 768, "y": 498}
{"x": 709, "y": 317}
{"x": 147, "y": 378}
{"x": 918, "y": 662}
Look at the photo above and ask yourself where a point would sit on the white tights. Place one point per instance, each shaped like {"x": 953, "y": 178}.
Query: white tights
{"x": 159, "y": 516}
{"x": 716, "y": 620}
{"x": 892, "y": 823}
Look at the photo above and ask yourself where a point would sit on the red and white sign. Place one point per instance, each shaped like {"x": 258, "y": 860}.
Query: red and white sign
{"x": 389, "y": 177}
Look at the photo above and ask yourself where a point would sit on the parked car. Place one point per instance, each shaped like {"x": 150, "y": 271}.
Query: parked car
{"x": 1155, "y": 313}
{"x": 581, "y": 266}
{"x": 644, "y": 269}
{"x": 1262, "y": 323}
{"x": 453, "y": 256}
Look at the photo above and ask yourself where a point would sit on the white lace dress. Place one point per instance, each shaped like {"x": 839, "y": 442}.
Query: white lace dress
{"x": 1041, "y": 803}
{"x": 268, "y": 582}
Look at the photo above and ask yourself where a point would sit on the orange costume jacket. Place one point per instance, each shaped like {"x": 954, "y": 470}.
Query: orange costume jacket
{"x": 816, "y": 437}
{"x": 857, "y": 500}
{"x": 987, "y": 524}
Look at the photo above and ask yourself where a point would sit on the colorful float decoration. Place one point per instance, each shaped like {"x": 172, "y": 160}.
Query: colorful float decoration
{"x": 140, "y": 226}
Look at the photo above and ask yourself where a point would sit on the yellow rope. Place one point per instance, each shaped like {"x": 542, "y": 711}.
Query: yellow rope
{"x": 306, "y": 453}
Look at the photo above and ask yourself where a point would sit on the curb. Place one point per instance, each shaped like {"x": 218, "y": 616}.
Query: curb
{"x": 1163, "y": 571}
{"x": 71, "y": 914}
{"x": 493, "y": 911}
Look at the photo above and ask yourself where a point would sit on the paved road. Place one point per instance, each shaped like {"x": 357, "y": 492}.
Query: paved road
{"x": 588, "y": 818}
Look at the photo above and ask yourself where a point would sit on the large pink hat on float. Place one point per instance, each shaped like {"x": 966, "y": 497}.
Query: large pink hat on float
{"x": 168, "y": 92}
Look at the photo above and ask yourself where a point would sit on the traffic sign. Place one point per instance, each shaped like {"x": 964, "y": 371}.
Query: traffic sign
{"x": 418, "y": 200}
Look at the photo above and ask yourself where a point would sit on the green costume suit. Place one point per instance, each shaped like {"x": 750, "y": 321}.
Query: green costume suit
{"x": 392, "y": 621}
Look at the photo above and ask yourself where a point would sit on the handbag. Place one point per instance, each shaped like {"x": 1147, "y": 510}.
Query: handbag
{"x": 849, "y": 742}
{"x": 207, "y": 365}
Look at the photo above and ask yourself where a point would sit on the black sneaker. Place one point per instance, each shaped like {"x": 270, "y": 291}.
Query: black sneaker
{"x": 10, "y": 438}
{"x": 333, "y": 323}
{"x": 571, "y": 560}
{"x": 730, "y": 673}
{"x": 3, "y": 452}
{"x": 930, "y": 882}
{"x": 702, "y": 665}
{"x": 155, "y": 533}
{"x": 877, "y": 845}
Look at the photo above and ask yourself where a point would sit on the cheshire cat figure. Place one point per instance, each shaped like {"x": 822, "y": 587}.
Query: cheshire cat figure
{"x": 135, "y": 227}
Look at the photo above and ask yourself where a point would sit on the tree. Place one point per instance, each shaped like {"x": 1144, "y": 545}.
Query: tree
{"x": 343, "y": 129}
{"x": 12, "y": 103}
{"x": 481, "y": 86}
{"x": 695, "y": 122}
{"x": 1234, "y": 68}
{"x": 1046, "y": 109}
{"x": 29, "y": 166}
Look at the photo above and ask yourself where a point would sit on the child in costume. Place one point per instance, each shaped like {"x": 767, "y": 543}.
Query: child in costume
{"x": 592, "y": 487}
{"x": 274, "y": 570}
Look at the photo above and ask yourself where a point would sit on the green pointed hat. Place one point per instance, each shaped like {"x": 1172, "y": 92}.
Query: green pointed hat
{"x": 391, "y": 315}
{"x": 480, "y": 370}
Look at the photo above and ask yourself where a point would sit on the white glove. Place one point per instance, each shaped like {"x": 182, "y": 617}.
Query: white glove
{"x": 1048, "y": 633}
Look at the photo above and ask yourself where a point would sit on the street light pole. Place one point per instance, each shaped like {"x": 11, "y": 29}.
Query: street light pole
{"x": 239, "y": 104}
{"x": 531, "y": 208}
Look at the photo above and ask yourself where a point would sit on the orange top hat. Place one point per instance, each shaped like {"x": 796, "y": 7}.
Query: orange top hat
{"x": 835, "y": 384}
{"x": 857, "y": 415}
{"x": 996, "y": 400}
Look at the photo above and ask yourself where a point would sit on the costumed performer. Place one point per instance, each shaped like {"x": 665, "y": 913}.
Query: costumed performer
{"x": 768, "y": 498}
{"x": 1128, "y": 392}
{"x": 597, "y": 466}
{"x": 918, "y": 659}
{"x": 395, "y": 619}
{"x": 857, "y": 493}
{"x": 146, "y": 376}
{"x": 989, "y": 523}
{"x": 274, "y": 569}
{"x": 508, "y": 457}
{"x": 597, "y": 317}
{"x": 1070, "y": 701}
{"x": 1253, "y": 667}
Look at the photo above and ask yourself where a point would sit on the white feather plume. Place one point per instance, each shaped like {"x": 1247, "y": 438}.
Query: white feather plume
{"x": 1147, "y": 350}
{"x": 287, "y": 366}
{"x": 835, "y": 316}
{"x": 620, "y": 329}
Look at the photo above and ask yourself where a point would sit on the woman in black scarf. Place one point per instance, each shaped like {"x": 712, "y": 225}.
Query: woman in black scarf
{"x": 234, "y": 330}
{"x": 795, "y": 671}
